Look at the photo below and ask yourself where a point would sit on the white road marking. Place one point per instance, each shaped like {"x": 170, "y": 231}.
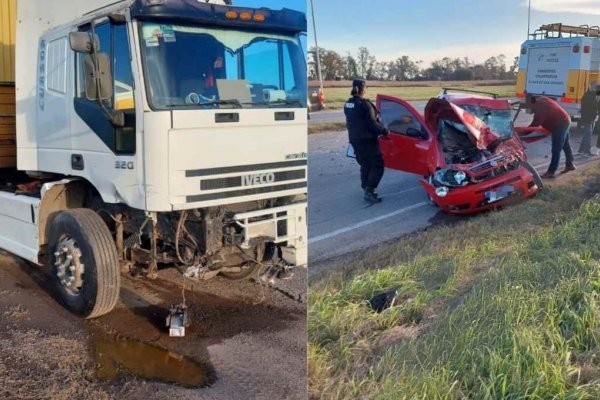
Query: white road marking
{"x": 365, "y": 223}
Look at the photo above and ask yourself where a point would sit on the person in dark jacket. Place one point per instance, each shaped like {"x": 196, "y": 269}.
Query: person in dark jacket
{"x": 550, "y": 115}
{"x": 589, "y": 112}
{"x": 364, "y": 130}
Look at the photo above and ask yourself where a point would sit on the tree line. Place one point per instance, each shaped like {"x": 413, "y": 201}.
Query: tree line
{"x": 366, "y": 66}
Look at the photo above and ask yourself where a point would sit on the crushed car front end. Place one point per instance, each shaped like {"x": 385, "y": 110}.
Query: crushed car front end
{"x": 489, "y": 170}
{"x": 490, "y": 184}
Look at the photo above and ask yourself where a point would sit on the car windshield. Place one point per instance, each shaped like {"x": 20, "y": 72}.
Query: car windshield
{"x": 189, "y": 66}
{"x": 499, "y": 121}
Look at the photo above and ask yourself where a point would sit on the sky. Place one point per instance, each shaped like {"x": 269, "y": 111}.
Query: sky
{"x": 429, "y": 30}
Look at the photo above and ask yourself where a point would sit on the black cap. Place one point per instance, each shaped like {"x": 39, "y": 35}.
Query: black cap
{"x": 359, "y": 83}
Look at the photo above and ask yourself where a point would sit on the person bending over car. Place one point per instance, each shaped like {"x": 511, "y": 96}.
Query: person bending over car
{"x": 550, "y": 115}
{"x": 364, "y": 130}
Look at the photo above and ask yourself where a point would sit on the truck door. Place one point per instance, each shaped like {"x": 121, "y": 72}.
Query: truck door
{"x": 91, "y": 129}
{"x": 410, "y": 141}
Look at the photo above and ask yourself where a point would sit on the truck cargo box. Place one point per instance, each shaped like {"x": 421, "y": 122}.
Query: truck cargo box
{"x": 8, "y": 23}
{"x": 8, "y": 143}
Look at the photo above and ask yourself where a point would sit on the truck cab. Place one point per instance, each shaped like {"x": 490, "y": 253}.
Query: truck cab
{"x": 181, "y": 125}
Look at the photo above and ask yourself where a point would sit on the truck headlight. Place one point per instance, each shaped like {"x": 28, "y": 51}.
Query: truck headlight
{"x": 441, "y": 191}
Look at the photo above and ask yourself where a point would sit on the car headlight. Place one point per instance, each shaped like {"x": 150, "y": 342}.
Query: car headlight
{"x": 441, "y": 191}
{"x": 451, "y": 178}
{"x": 460, "y": 177}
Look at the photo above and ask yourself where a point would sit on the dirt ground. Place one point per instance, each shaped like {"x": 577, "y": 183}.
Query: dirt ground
{"x": 248, "y": 340}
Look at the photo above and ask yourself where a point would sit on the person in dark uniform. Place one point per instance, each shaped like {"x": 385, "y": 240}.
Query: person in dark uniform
{"x": 364, "y": 130}
{"x": 589, "y": 112}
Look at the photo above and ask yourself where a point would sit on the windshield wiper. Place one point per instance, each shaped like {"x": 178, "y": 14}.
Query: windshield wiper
{"x": 278, "y": 103}
{"x": 208, "y": 103}
{"x": 234, "y": 102}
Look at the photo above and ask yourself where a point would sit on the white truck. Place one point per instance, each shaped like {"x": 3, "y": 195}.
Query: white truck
{"x": 151, "y": 133}
{"x": 560, "y": 61}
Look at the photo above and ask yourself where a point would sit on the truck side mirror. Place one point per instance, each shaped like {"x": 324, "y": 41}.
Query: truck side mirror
{"x": 81, "y": 42}
{"x": 103, "y": 75}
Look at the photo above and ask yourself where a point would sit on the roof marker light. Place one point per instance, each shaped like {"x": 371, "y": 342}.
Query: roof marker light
{"x": 231, "y": 14}
{"x": 246, "y": 16}
{"x": 259, "y": 17}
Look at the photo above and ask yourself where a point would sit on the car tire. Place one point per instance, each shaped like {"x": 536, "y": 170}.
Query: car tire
{"x": 536, "y": 176}
{"x": 84, "y": 263}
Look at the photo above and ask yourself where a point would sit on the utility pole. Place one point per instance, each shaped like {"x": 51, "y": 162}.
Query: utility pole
{"x": 528, "y": 20}
{"x": 318, "y": 53}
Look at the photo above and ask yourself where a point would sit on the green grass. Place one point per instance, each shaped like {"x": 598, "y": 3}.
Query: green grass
{"x": 504, "y": 305}
{"x": 336, "y": 97}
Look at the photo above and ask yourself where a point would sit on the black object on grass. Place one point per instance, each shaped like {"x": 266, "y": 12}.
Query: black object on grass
{"x": 383, "y": 301}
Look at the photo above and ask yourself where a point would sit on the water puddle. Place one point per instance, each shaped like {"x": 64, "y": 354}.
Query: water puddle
{"x": 147, "y": 361}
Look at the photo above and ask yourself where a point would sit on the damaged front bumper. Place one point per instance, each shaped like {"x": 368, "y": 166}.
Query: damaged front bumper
{"x": 285, "y": 226}
{"x": 489, "y": 194}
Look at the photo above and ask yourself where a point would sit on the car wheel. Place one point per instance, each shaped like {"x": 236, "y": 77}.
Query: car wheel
{"x": 84, "y": 262}
{"x": 536, "y": 176}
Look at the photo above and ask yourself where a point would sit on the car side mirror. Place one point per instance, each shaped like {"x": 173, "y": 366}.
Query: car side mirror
{"x": 414, "y": 132}
{"x": 81, "y": 42}
{"x": 100, "y": 78}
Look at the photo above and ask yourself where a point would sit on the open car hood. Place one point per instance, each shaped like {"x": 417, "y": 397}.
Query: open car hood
{"x": 479, "y": 133}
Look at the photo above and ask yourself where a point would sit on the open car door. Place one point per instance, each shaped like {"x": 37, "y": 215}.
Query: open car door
{"x": 410, "y": 142}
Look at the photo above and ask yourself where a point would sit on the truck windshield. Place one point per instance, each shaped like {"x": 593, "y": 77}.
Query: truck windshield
{"x": 199, "y": 67}
{"x": 499, "y": 121}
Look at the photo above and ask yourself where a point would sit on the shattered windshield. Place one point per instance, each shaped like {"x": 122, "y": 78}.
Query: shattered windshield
{"x": 190, "y": 66}
{"x": 499, "y": 121}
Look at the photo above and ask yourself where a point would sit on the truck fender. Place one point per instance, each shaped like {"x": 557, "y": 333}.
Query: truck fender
{"x": 55, "y": 197}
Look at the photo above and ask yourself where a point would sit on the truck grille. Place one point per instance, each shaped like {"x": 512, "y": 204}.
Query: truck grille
{"x": 244, "y": 168}
{"x": 237, "y": 181}
{"x": 250, "y": 180}
{"x": 245, "y": 192}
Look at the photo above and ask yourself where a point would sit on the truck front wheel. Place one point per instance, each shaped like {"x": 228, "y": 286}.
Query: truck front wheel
{"x": 84, "y": 262}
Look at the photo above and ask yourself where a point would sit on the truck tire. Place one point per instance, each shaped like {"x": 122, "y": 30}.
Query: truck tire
{"x": 536, "y": 176}
{"x": 84, "y": 262}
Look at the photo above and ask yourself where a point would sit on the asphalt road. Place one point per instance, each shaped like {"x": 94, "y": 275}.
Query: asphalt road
{"x": 340, "y": 220}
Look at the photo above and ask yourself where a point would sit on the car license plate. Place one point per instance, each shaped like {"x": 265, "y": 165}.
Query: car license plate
{"x": 495, "y": 195}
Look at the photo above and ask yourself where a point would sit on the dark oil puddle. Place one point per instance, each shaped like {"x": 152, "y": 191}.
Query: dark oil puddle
{"x": 147, "y": 361}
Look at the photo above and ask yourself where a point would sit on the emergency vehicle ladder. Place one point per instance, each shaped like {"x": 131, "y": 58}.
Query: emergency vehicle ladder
{"x": 559, "y": 30}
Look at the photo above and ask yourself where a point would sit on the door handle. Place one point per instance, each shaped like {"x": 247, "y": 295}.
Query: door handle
{"x": 77, "y": 162}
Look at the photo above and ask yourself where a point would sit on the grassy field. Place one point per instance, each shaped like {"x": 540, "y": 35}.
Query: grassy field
{"x": 504, "y": 305}
{"x": 335, "y": 97}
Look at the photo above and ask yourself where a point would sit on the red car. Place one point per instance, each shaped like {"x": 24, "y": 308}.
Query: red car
{"x": 465, "y": 147}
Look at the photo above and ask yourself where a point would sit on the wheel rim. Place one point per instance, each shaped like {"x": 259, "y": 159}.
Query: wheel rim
{"x": 69, "y": 268}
